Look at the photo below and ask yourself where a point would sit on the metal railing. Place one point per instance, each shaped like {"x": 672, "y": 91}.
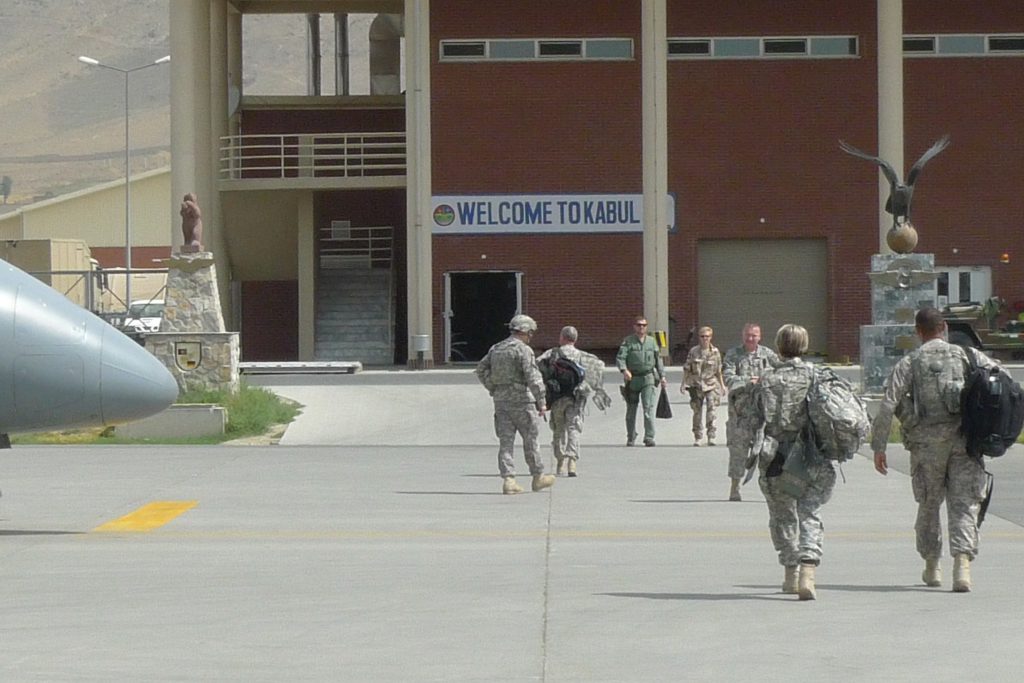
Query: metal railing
{"x": 326, "y": 155}
{"x": 101, "y": 291}
{"x": 356, "y": 248}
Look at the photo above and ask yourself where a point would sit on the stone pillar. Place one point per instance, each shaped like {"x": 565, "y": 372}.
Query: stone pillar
{"x": 419, "y": 235}
{"x": 654, "y": 90}
{"x": 192, "y": 342}
{"x": 900, "y": 285}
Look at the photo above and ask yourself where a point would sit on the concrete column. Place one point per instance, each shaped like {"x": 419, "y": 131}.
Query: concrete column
{"x": 234, "y": 70}
{"x": 190, "y": 106}
{"x": 654, "y": 39}
{"x": 890, "y": 104}
{"x": 306, "y": 248}
{"x": 418, "y": 178}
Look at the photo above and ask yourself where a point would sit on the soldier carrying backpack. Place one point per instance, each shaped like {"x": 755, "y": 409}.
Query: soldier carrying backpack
{"x": 924, "y": 392}
{"x": 571, "y": 376}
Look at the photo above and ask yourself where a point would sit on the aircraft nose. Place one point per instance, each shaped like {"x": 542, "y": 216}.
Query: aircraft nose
{"x": 133, "y": 383}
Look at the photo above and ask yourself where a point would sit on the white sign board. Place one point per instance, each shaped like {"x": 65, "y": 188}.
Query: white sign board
{"x": 541, "y": 213}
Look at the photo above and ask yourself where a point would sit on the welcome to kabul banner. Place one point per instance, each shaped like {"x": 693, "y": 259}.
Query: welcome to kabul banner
{"x": 542, "y": 213}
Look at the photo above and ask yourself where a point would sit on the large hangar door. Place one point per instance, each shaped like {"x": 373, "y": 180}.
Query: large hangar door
{"x": 771, "y": 282}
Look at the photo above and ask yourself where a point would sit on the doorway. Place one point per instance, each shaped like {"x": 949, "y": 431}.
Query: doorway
{"x": 478, "y": 306}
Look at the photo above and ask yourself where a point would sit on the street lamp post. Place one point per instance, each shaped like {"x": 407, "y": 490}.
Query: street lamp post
{"x": 127, "y": 171}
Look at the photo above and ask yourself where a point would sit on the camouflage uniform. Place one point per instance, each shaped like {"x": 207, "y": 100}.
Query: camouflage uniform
{"x": 510, "y": 374}
{"x": 742, "y": 430}
{"x": 794, "y": 523}
{"x": 702, "y": 376}
{"x": 643, "y": 361}
{"x": 940, "y": 468}
{"x": 567, "y": 412}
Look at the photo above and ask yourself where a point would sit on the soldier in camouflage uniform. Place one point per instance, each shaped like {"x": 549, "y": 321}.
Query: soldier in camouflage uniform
{"x": 642, "y": 373}
{"x": 923, "y": 392}
{"x": 741, "y": 369}
{"x": 510, "y": 374}
{"x": 794, "y": 522}
{"x": 702, "y": 379}
{"x": 567, "y": 411}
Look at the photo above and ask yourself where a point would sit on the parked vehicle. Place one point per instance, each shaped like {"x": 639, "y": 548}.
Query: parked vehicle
{"x": 972, "y": 324}
{"x": 144, "y": 316}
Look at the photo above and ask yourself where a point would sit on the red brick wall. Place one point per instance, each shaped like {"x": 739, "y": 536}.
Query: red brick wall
{"x": 542, "y": 127}
{"x": 753, "y": 149}
{"x": 968, "y": 199}
{"x": 748, "y": 140}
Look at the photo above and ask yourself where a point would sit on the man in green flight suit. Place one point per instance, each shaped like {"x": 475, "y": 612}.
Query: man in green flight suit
{"x": 642, "y": 372}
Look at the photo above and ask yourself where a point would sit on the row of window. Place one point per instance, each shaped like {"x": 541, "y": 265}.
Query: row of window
{"x": 785, "y": 47}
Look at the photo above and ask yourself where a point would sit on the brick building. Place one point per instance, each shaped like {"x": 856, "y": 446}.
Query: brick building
{"x": 586, "y": 160}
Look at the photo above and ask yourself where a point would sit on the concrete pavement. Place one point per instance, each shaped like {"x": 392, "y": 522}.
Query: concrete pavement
{"x": 374, "y": 545}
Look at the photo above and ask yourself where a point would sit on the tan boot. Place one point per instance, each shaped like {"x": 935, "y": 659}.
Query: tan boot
{"x": 734, "y": 491}
{"x": 790, "y": 584}
{"x": 961, "y": 574}
{"x": 932, "y": 574}
{"x": 559, "y": 465}
{"x": 572, "y": 467}
{"x": 806, "y": 584}
{"x": 543, "y": 481}
{"x": 510, "y": 486}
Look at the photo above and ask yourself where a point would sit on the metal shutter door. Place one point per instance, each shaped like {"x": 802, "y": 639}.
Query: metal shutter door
{"x": 771, "y": 282}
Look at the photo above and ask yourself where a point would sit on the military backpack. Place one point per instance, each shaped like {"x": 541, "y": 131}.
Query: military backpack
{"x": 561, "y": 378}
{"x": 838, "y": 416}
{"x": 992, "y": 410}
{"x": 938, "y": 383}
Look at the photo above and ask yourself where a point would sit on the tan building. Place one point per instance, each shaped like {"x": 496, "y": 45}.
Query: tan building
{"x": 94, "y": 219}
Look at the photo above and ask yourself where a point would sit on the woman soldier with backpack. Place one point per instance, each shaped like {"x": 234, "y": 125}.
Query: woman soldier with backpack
{"x": 795, "y": 479}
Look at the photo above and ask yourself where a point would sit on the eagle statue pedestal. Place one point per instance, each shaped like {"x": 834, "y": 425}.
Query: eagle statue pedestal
{"x": 900, "y": 285}
{"x": 901, "y": 238}
{"x": 192, "y": 341}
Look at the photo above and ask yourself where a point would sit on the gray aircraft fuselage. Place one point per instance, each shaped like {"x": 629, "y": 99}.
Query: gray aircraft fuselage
{"x": 62, "y": 367}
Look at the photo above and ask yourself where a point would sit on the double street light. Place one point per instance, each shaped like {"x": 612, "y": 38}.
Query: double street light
{"x": 127, "y": 171}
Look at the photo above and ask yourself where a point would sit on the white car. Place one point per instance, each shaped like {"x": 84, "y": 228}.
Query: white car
{"x": 144, "y": 316}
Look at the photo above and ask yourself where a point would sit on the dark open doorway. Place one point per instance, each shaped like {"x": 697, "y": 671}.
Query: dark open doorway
{"x": 479, "y": 306}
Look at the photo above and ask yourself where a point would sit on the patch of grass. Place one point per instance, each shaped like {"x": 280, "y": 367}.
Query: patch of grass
{"x": 251, "y": 412}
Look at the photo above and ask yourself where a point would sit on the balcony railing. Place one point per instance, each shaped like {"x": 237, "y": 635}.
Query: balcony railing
{"x": 327, "y": 155}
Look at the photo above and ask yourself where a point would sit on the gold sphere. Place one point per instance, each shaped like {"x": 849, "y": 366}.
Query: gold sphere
{"x": 902, "y": 238}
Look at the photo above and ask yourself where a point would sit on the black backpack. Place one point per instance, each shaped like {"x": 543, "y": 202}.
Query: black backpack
{"x": 561, "y": 377}
{"x": 991, "y": 410}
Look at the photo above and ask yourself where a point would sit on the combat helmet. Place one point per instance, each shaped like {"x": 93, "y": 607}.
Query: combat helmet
{"x": 522, "y": 323}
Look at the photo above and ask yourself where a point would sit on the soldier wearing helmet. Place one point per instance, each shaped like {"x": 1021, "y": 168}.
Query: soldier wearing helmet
{"x": 510, "y": 374}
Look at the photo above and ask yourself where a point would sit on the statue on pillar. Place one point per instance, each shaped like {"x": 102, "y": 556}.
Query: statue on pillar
{"x": 902, "y": 237}
{"x": 191, "y": 224}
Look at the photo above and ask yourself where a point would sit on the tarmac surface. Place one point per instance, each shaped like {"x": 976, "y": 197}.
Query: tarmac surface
{"x": 373, "y": 544}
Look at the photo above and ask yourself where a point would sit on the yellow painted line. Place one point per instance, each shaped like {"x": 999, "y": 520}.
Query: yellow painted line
{"x": 149, "y": 517}
{"x": 610, "y": 535}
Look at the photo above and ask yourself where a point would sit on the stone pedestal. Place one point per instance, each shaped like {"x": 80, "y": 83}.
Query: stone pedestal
{"x": 192, "y": 342}
{"x": 900, "y": 285}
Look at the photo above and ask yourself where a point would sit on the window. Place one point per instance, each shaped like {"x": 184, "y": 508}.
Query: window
{"x": 462, "y": 50}
{"x": 919, "y": 44}
{"x": 689, "y": 47}
{"x": 775, "y": 47}
{"x": 512, "y": 49}
{"x": 609, "y": 48}
{"x": 560, "y": 48}
{"x": 1006, "y": 43}
{"x": 785, "y": 46}
{"x": 524, "y": 49}
{"x": 964, "y": 45}
{"x": 961, "y": 45}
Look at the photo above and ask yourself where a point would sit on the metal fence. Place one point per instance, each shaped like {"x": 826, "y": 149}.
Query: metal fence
{"x": 326, "y": 155}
